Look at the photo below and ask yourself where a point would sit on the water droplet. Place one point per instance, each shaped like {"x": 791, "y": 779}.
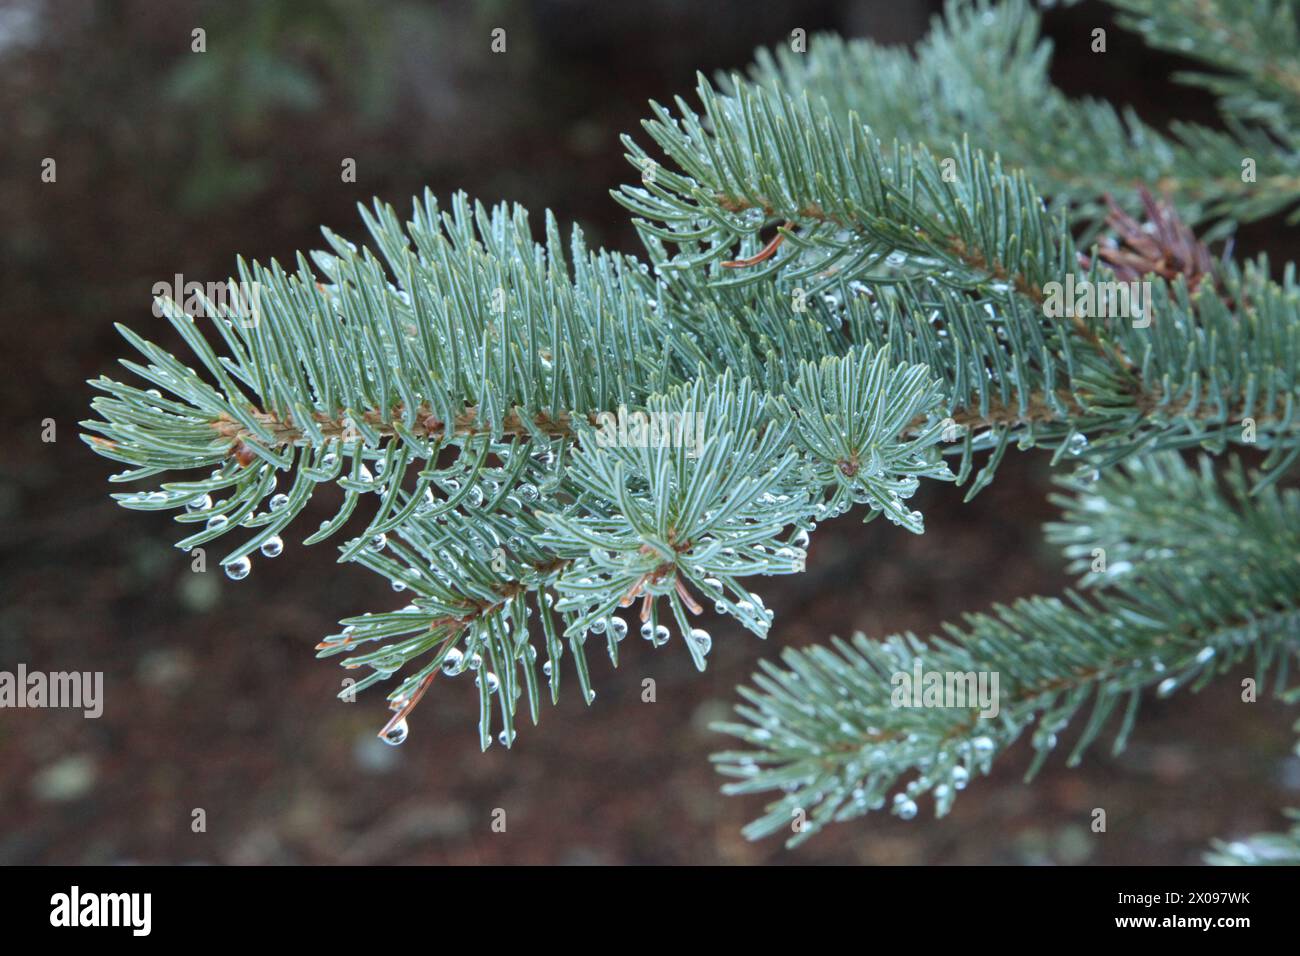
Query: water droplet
{"x": 475, "y": 661}
{"x": 527, "y": 492}
{"x": 238, "y": 569}
{"x": 702, "y": 641}
{"x": 399, "y": 585}
{"x": 217, "y": 521}
{"x": 199, "y": 504}
{"x": 598, "y": 626}
{"x": 378, "y": 542}
{"x": 800, "y": 540}
{"x": 618, "y": 627}
{"x": 547, "y": 668}
{"x": 1167, "y": 686}
{"x": 506, "y": 739}
{"x": 453, "y": 662}
{"x": 591, "y": 695}
{"x": 661, "y": 635}
{"x": 396, "y": 733}
{"x": 983, "y": 745}
{"x": 272, "y": 546}
{"x": 1205, "y": 654}
{"x": 904, "y": 809}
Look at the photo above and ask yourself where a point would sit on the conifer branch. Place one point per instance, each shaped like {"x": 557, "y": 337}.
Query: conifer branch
{"x": 838, "y": 730}
{"x": 982, "y": 73}
{"x": 856, "y": 260}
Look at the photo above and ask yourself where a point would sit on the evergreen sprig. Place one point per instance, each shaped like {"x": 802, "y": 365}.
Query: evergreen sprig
{"x": 832, "y": 732}
{"x": 982, "y": 73}
{"x": 953, "y": 266}
{"x": 854, "y": 262}
{"x": 1252, "y": 50}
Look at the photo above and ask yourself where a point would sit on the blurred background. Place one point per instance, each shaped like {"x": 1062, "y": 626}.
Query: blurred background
{"x": 170, "y": 161}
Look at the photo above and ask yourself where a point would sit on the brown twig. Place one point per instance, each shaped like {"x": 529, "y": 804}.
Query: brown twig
{"x": 767, "y": 252}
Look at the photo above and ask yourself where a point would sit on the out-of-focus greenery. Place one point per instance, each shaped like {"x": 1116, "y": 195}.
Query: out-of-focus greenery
{"x": 275, "y": 56}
